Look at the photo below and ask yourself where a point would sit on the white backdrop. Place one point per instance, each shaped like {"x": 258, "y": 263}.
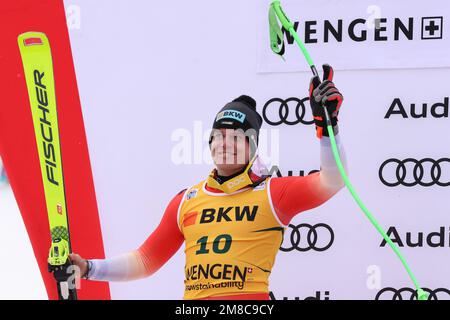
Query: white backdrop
{"x": 151, "y": 77}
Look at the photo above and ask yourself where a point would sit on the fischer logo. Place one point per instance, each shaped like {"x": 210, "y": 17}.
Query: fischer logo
{"x": 395, "y": 29}
{"x": 47, "y": 133}
{"x": 419, "y": 110}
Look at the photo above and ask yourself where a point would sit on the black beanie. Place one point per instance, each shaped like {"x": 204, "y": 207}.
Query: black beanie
{"x": 240, "y": 114}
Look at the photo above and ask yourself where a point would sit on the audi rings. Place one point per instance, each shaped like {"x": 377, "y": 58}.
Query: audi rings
{"x": 411, "y": 294}
{"x": 418, "y": 172}
{"x": 312, "y": 234}
{"x": 284, "y": 110}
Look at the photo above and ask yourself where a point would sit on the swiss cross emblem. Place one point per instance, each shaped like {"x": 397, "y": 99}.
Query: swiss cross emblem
{"x": 250, "y": 270}
{"x": 59, "y": 208}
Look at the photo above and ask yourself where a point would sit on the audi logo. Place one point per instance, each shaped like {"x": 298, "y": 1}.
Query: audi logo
{"x": 284, "y": 109}
{"x": 411, "y": 294}
{"x": 398, "y": 173}
{"x": 305, "y": 237}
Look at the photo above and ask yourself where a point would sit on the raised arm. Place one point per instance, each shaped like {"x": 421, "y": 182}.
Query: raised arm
{"x": 292, "y": 195}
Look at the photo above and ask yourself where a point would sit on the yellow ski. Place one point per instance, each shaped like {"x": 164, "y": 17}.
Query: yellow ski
{"x": 38, "y": 67}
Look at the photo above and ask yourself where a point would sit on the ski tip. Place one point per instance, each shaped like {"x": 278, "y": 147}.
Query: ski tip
{"x": 32, "y": 39}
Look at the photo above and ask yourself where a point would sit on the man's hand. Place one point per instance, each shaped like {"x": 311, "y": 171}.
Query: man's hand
{"x": 80, "y": 262}
{"x": 325, "y": 94}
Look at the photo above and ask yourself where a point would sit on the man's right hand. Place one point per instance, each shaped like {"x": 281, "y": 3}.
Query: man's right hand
{"x": 80, "y": 263}
{"x": 326, "y": 95}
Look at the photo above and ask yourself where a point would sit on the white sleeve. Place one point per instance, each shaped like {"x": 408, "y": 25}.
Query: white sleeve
{"x": 126, "y": 267}
{"x": 329, "y": 174}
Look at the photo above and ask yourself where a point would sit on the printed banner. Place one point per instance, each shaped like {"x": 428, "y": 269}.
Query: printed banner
{"x": 360, "y": 34}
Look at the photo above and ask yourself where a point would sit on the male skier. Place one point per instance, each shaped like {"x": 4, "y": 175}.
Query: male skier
{"x": 232, "y": 223}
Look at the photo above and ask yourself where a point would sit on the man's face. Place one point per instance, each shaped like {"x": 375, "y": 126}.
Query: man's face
{"x": 230, "y": 149}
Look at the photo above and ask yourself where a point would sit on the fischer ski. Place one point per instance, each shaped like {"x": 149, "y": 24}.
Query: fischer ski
{"x": 37, "y": 62}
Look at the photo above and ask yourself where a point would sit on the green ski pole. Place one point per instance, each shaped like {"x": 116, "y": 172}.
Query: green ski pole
{"x": 276, "y": 14}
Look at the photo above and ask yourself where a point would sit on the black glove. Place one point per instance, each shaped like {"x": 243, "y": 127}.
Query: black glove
{"x": 325, "y": 94}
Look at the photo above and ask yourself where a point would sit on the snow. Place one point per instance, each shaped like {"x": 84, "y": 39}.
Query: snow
{"x": 19, "y": 273}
